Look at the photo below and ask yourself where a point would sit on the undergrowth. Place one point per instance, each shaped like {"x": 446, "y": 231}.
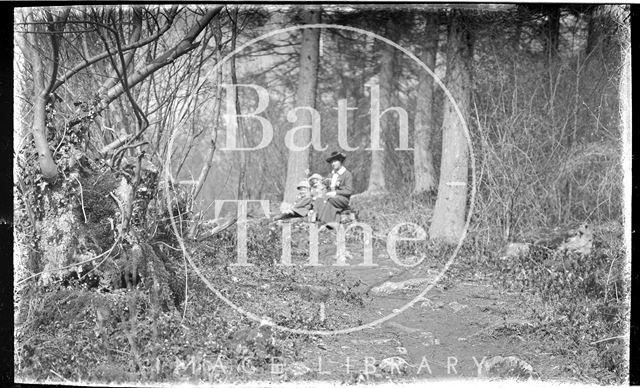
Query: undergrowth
{"x": 578, "y": 305}
{"x": 74, "y": 331}
{"x": 578, "y": 312}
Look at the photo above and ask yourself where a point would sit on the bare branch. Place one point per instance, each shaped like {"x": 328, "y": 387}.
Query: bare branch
{"x": 96, "y": 58}
{"x": 55, "y": 26}
{"x": 186, "y": 44}
{"x": 135, "y": 36}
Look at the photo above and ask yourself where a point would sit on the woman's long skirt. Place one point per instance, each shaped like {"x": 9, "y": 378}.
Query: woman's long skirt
{"x": 328, "y": 208}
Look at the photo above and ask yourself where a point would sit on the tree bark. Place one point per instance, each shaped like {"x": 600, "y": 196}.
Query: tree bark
{"x": 298, "y": 161}
{"x": 425, "y": 180}
{"x": 552, "y": 38}
{"x": 377, "y": 182}
{"x": 48, "y": 166}
{"x": 449, "y": 212}
{"x": 41, "y": 90}
{"x": 241, "y": 192}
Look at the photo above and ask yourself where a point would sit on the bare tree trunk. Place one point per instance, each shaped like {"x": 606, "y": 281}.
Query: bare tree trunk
{"x": 298, "y": 161}
{"x": 377, "y": 183}
{"x": 42, "y": 88}
{"x": 242, "y": 155}
{"x": 515, "y": 39}
{"x": 48, "y": 166}
{"x": 425, "y": 180}
{"x": 552, "y": 38}
{"x": 208, "y": 160}
{"x": 448, "y": 215}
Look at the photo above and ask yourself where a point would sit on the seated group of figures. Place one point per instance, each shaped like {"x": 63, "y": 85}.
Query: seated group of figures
{"x": 326, "y": 197}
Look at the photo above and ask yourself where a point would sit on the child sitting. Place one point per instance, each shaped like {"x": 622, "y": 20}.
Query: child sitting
{"x": 318, "y": 188}
{"x": 302, "y": 205}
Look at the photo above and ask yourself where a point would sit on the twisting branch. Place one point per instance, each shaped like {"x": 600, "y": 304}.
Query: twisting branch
{"x": 134, "y": 37}
{"x": 121, "y": 72}
{"x": 96, "y": 58}
{"x": 56, "y": 25}
{"x": 184, "y": 46}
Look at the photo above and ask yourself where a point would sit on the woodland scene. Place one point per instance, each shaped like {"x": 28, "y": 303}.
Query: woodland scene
{"x": 211, "y": 194}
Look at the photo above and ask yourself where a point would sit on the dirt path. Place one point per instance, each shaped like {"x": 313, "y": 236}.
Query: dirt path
{"x": 438, "y": 337}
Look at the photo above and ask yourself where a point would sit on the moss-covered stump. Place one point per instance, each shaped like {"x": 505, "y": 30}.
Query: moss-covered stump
{"x": 57, "y": 230}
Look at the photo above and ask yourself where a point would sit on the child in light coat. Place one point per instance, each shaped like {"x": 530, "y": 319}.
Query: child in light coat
{"x": 303, "y": 204}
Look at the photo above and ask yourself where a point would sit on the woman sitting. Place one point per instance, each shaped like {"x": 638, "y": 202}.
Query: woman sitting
{"x": 340, "y": 184}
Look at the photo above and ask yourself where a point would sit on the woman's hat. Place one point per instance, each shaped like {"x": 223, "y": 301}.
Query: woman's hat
{"x": 336, "y": 156}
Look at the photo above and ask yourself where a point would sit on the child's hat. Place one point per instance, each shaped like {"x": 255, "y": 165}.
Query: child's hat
{"x": 303, "y": 183}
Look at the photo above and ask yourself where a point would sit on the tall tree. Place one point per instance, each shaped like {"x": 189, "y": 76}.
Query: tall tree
{"x": 552, "y": 33}
{"x": 425, "y": 179}
{"x": 298, "y": 160}
{"x": 377, "y": 183}
{"x": 448, "y": 215}
{"x": 242, "y": 155}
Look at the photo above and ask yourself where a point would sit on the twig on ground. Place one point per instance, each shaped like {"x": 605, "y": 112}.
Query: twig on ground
{"x": 167, "y": 245}
{"x": 608, "y": 339}
{"x": 119, "y": 351}
{"x": 57, "y": 374}
{"x": 606, "y": 290}
{"x": 84, "y": 214}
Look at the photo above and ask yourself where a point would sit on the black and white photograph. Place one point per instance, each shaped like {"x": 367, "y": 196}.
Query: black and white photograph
{"x": 321, "y": 194}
